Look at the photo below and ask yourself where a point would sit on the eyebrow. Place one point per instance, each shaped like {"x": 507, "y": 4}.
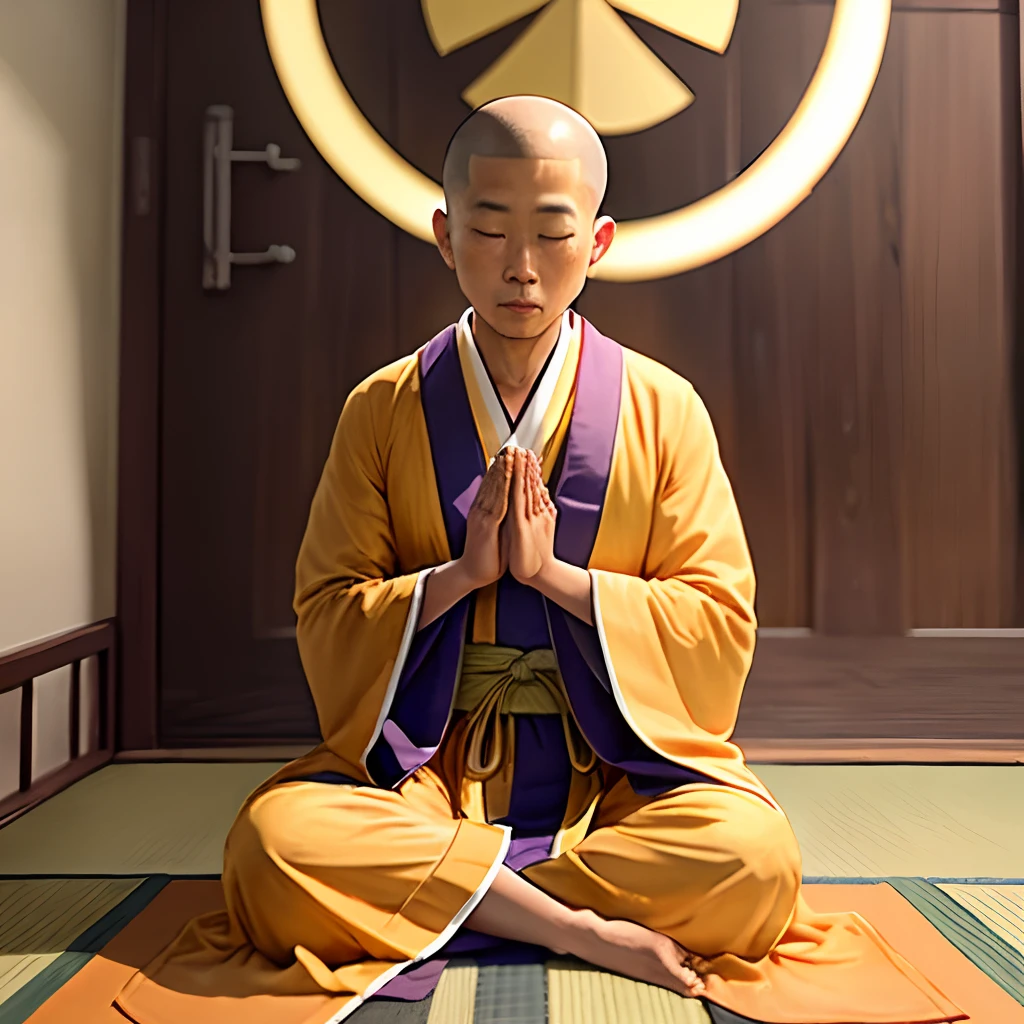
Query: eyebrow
{"x": 487, "y": 204}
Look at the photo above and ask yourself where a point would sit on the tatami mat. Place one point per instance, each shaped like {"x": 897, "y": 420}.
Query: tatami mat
{"x": 1001, "y": 907}
{"x": 133, "y": 818}
{"x": 877, "y": 821}
{"x": 454, "y": 999}
{"x": 853, "y": 821}
{"x": 577, "y": 993}
{"x": 41, "y": 918}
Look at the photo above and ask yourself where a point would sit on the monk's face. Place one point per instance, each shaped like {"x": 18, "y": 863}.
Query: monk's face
{"x": 520, "y": 236}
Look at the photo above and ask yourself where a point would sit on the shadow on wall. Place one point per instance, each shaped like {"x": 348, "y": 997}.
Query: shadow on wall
{"x": 61, "y": 69}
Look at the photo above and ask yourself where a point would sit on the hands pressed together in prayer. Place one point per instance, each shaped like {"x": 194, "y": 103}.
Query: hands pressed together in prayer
{"x": 511, "y": 524}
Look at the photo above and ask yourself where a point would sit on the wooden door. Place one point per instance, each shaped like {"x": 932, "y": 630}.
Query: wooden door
{"x": 825, "y": 351}
{"x": 253, "y": 377}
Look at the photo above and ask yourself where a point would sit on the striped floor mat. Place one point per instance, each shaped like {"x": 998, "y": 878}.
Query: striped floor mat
{"x": 80, "y": 872}
{"x": 68, "y": 945}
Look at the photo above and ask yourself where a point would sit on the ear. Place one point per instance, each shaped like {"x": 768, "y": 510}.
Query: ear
{"x": 604, "y": 232}
{"x": 444, "y": 241}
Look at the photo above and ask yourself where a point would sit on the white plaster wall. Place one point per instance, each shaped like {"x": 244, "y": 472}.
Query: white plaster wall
{"x": 61, "y": 102}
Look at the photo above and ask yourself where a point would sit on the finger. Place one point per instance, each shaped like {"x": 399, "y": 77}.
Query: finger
{"x": 693, "y": 983}
{"x": 497, "y": 472}
{"x": 519, "y": 486}
{"x": 700, "y": 965}
{"x": 543, "y": 502}
{"x": 480, "y": 500}
{"x": 496, "y": 485}
{"x": 506, "y": 477}
{"x": 486, "y": 492}
{"x": 542, "y": 492}
{"x": 506, "y": 486}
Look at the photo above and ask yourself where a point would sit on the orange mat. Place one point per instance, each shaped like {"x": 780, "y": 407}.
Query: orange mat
{"x": 88, "y": 996}
{"x": 912, "y": 936}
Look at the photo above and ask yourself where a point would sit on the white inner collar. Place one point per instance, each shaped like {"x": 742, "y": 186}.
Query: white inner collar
{"x": 527, "y": 434}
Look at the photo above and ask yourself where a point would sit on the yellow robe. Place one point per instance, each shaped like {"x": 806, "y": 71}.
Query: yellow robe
{"x": 333, "y": 889}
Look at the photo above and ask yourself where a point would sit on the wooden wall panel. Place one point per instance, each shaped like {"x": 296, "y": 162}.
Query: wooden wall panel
{"x": 960, "y": 159}
{"x": 853, "y": 374}
{"x": 775, "y": 311}
{"x": 875, "y": 333}
{"x": 844, "y": 687}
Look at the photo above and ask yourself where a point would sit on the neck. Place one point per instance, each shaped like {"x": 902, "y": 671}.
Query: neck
{"x": 513, "y": 362}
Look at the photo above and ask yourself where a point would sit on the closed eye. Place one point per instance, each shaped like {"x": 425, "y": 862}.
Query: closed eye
{"x": 486, "y": 234}
{"x": 558, "y": 238}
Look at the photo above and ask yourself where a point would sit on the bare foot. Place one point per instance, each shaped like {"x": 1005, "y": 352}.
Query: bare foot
{"x": 513, "y": 908}
{"x": 638, "y": 952}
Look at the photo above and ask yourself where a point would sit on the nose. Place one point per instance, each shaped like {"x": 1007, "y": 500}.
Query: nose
{"x": 520, "y": 264}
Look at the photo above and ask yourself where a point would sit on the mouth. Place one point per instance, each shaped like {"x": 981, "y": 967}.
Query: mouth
{"x": 520, "y": 307}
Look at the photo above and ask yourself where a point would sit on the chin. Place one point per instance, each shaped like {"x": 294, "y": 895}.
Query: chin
{"x": 519, "y": 325}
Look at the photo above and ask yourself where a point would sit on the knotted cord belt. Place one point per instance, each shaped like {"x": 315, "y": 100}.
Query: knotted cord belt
{"x": 498, "y": 681}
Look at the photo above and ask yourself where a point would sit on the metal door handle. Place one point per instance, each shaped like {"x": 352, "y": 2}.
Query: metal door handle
{"x": 271, "y": 156}
{"x": 218, "y": 156}
{"x": 272, "y": 254}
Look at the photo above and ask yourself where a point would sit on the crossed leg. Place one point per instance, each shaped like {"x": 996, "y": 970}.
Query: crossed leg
{"x": 714, "y": 868}
{"x": 344, "y": 872}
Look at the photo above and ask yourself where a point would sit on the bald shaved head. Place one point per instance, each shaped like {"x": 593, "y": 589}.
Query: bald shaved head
{"x": 524, "y": 177}
{"x": 526, "y": 127}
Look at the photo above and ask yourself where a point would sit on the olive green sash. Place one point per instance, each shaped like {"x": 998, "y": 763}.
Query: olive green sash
{"x": 505, "y": 681}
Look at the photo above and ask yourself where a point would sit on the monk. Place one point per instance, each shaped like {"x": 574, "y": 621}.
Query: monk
{"x": 525, "y": 611}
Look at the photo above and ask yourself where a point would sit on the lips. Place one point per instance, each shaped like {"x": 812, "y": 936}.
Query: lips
{"x": 521, "y": 306}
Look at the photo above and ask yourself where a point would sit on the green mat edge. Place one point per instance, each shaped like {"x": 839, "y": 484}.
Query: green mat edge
{"x": 529, "y": 1003}
{"x": 23, "y": 1003}
{"x": 986, "y": 949}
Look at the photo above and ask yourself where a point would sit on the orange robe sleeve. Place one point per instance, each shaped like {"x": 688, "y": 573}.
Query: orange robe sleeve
{"x": 679, "y": 642}
{"x": 357, "y": 610}
{"x": 673, "y": 598}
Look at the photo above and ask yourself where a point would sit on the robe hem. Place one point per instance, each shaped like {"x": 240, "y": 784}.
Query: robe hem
{"x": 453, "y": 925}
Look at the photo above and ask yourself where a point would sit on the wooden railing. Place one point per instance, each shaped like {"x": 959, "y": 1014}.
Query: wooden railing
{"x": 18, "y": 671}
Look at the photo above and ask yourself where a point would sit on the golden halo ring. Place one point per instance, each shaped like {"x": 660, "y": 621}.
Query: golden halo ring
{"x": 670, "y": 243}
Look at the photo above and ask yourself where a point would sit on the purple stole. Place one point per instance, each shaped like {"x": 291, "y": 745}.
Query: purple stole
{"x": 420, "y": 711}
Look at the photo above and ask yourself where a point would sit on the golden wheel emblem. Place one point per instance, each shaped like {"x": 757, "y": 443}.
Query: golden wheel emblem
{"x": 551, "y": 56}
{"x": 778, "y": 181}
